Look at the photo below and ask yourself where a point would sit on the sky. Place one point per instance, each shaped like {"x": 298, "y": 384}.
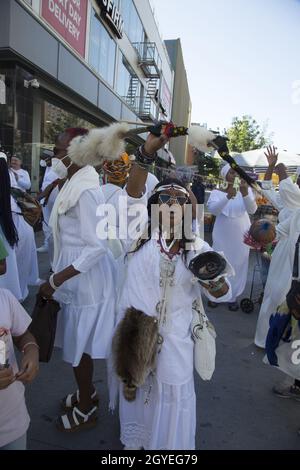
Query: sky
{"x": 242, "y": 57}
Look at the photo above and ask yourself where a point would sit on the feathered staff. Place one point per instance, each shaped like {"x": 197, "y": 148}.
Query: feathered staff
{"x": 205, "y": 140}
{"x": 108, "y": 143}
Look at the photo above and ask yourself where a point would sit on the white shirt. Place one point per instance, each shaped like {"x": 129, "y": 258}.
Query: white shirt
{"x": 14, "y": 419}
{"x": 23, "y": 180}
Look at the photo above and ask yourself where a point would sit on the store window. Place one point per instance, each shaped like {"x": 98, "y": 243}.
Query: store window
{"x": 102, "y": 50}
{"x": 55, "y": 120}
{"x": 133, "y": 26}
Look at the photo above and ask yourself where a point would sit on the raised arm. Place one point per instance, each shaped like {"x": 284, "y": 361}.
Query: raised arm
{"x": 145, "y": 156}
{"x": 272, "y": 157}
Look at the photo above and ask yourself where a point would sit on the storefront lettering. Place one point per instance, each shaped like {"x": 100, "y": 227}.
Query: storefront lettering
{"x": 68, "y": 17}
{"x": 110, "y": 13}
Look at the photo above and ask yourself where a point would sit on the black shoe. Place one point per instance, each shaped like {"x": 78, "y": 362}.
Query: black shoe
{"x": 233, "y": 306}
{"x": 212, "y": 304}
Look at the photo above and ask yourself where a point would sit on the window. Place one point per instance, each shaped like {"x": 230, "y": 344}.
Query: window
{"x": 133, "y": 26}
{"x": 128, "y": 85}
{"x": 102, "y": 51}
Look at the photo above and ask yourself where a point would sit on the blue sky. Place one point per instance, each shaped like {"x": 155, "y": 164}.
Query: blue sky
{"x": 242, "y": 57}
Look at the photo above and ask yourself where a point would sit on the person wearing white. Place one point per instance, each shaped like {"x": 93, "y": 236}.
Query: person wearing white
{"x": 21, "y": 175}
{"x": 10, "y": 280}
{"x": 280, "y": 270}
{"x": 232, "y": 208}
{"x": 25, "y": 249}
{"x": 163, "y": 414}
{"x": 49, "y": 177}
{"x": 82, "y": 281}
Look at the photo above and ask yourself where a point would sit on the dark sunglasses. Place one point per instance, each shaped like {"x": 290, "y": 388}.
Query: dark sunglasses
{"x": 167, "y": 198}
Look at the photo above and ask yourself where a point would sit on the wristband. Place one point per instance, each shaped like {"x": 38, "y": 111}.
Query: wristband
{"x": 51, "y": 282}
{"x": 31, "y": 343}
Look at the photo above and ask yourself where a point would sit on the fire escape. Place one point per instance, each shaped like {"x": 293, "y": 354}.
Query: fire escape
{"x": 150, "y": 63}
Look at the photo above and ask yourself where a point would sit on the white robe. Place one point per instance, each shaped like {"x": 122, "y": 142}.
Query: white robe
{"x": 25, "y": 250}
{"x": 232, "y": 222}
{"x": 280, "y": 271}
{"x": 86, "y": 320}
{"x": 168, "y": 420}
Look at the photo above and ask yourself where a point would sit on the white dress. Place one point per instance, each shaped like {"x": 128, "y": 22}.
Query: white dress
{"x": 87, "y": 316}
{"x": 232, "y": 222}
{"x": 280, "y": 271}
{"x": 25, "y": 252}
{"x": 163, "y": 415}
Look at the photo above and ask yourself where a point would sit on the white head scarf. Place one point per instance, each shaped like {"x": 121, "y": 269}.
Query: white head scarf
{"x": 3, "y": 155}
{"x": 224, "y": 170}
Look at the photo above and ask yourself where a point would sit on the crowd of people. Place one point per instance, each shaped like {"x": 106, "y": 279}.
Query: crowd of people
{"x": 118, "y": 294}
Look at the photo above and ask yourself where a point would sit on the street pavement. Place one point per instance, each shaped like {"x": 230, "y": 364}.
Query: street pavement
{"x": 235, "y": 410}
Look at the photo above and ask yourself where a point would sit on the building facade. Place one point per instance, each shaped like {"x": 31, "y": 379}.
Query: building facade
{"x": 181, "y": 106}
{"x": 67, "y": 63}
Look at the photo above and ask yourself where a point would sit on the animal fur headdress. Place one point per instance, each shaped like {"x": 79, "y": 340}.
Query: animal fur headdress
{"x": 106, "y": 143}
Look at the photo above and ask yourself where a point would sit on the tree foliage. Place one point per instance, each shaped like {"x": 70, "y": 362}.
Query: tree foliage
{"x": 246, "y": 134}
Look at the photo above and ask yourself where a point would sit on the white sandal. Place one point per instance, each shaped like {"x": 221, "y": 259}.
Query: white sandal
{"x": 74, "y": 420}
{"x": 72, "y": 400}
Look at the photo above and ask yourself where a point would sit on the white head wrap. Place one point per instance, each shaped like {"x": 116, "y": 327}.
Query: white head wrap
{"x": 224, "y": 170}
{"x": 3, "y": 155}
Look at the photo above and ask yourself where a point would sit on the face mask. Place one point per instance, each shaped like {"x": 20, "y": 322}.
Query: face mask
{"x": 59, "y": 168}
{"x": 43, "y": 164}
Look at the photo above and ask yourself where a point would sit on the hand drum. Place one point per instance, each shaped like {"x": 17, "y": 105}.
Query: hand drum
{"x": 207, "y": 266}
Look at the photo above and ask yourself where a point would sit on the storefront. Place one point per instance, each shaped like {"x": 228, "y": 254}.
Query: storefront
{"x": 76, "y": 63}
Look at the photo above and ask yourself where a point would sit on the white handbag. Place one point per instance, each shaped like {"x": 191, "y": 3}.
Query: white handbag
{"x": 204, "y": 336}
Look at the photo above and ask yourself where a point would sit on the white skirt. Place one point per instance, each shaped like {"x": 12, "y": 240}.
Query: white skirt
{"x": 162, "y": 417}
{"x": 86, "y": 320}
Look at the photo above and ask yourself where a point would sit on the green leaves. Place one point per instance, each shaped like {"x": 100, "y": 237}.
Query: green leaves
{"x": 246, "y": 134}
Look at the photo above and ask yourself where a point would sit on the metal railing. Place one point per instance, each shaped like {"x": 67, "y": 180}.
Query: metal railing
{"x": 149, "y": 58}
{"x": 143, "y": 106}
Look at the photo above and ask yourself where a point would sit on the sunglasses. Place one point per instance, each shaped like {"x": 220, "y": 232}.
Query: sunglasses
{"x": 167, "y": 198}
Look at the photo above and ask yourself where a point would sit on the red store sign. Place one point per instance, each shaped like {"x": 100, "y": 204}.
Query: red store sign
{"x": 68, "y": 18}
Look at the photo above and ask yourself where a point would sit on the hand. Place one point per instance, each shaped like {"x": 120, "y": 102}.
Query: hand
{"x": 154, "y": 143}
{"x": 219, "y": 288}
{"x": 231, "y": 191}
{"x": 46, "y": 291}
{"x": 272, "y": 155}
{"x": 244, "y": 188}
{"x": 29, "y": 365}
{"x": 7, "y": 377}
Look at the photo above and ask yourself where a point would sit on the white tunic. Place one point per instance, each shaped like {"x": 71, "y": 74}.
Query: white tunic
{"x": 232, "y": 222}
{"x": 280, "y": 271}
{"x": 87, "y": 316}
{"x": 168, "y": 420}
